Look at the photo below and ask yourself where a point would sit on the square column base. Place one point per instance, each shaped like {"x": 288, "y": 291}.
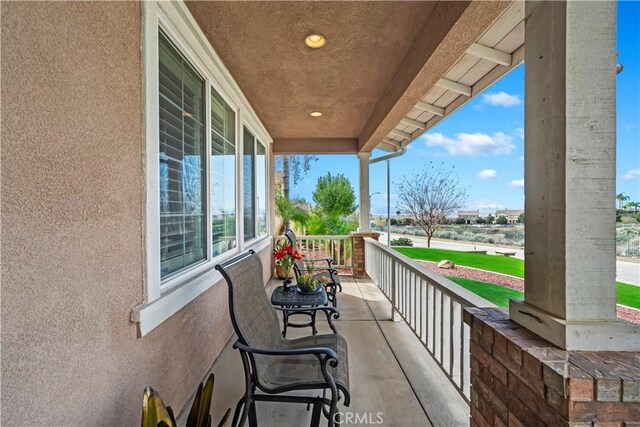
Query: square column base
{"x": 615, "y": 335}
{"x": 357, "y": 252}
{"x": 519, "y": 379}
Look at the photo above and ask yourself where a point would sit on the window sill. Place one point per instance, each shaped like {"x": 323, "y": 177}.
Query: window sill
{"x": 152, "y": 314}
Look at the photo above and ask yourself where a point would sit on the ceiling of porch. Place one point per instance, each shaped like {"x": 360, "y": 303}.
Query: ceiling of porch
{"x": 380, "y": 59}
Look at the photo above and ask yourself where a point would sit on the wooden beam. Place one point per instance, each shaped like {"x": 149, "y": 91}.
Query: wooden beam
{"x": 454, "y": 86}
{"x": 315, "y": 146}
{"x": 438, "y": 111}
{"x": 414, "y": 123}
{"x": 401, "y": 134}
{"x": 391, "y": 142}
{"x": 490, "y": 54}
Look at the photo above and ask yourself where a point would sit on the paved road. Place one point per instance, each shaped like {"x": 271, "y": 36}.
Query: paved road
{"x": 627, "y": 272}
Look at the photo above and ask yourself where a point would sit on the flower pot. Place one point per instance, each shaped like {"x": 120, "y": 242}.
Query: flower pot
{"x": 281, "y": 273}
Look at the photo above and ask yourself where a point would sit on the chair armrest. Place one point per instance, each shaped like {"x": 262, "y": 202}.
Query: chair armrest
{"x": 330, "y": 270}
{"x": 329, "y": 261}
{"x": 289, "y": 352}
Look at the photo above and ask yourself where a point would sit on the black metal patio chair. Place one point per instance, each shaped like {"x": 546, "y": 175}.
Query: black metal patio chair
{"x": 273, "y": 364}
{"x": 328, "y": 274}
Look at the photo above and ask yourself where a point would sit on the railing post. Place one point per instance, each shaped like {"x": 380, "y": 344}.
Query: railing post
{"x": 393, "y": 290}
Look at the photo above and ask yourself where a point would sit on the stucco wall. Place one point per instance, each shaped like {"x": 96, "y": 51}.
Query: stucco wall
{"x": 72, "y": 241}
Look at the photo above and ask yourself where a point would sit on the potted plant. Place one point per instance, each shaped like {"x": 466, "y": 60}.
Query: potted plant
{"x": 308, "y": 283}
{"x": 285, "y": 257}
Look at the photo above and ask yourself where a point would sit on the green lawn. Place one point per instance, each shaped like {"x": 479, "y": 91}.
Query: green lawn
{"x": 496, "y": 263}
{"x": 499, "y": 295}
{"x": 628, "y": 295}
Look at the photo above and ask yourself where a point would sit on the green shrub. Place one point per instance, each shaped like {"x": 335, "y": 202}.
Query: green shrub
{"x": 402, "y": 241}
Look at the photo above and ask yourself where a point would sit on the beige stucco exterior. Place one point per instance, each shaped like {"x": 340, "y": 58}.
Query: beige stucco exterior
{"x": 72, "y": 235}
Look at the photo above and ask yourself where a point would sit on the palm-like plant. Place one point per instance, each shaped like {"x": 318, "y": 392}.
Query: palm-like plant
{"x": 621, "y": 198}
{"x": 290, "y": 211}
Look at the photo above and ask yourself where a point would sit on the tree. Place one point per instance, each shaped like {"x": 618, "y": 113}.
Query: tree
{"x": 621, "y": 198}
{"x": 490, "y": 219}
{"x": 429, "y": 196}
{"x": 335, "y": 201}
{"x": 481, "y": 220}
{"x": 290, "y": 211}
{"x": 502, "y": 220}
{"x": 334, "y": 195}
{"x": 293, "y": 166}
{"x": 632, "y": 206}
{"x": 520, "y": 219}
{"x": 460, "y": 221}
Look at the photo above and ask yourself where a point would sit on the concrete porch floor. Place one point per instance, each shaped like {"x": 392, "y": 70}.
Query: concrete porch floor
{"x": 390, "y": 371}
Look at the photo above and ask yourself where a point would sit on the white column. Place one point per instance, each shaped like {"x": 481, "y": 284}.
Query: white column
{"x": 570, "y": 145}
{"x": 365, "y": 208}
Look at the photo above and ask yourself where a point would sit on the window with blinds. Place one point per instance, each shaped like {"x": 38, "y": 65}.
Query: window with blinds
{"x": 249, "y": 182}
{"x": 182, "y": 161}
{"x": 223, "y": 175}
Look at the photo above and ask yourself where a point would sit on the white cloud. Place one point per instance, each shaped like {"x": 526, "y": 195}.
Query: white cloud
{"x": 628, "y": 126}
{"x": 517, "y": 183}
{"x": 520, "y": 133}
{"x": 631, "y": 174}
{"x": 472, "y": 144}
{"x": 487, "y": 174}
{"x": 521, "y": 158}
{"x": 501, "y": 99}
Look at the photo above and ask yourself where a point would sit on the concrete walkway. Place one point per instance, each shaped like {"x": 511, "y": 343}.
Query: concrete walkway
{"x": 627, "y": 272}
{"x": 390, "y": 371}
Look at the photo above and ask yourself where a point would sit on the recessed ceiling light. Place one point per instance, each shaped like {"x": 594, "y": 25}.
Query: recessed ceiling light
{"x": 315, "y": 41}
{"x": 316, "y": 113}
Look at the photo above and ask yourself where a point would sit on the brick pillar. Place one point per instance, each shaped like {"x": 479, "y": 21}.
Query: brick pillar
{"x": 357, "y": 256}
{"x": 519, "y": 379}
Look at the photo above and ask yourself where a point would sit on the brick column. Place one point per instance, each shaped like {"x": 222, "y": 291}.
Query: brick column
{"x": 357, "y": 248}
{"x": 520, "y": 379}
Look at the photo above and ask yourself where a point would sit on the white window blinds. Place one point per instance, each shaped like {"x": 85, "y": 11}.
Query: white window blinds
{"x": 182, "y": 151}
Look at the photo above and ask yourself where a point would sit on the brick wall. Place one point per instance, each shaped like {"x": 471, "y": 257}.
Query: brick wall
{"x": 519, "y": 379}
{"x": 358, "y": 252}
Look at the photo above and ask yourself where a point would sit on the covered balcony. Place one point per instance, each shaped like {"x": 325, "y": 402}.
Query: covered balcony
{"x": 139, "y": 148}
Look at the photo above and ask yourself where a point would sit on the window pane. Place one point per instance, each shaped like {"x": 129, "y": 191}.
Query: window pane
{"x": 182, "y": 149}
{"x": 248, "y": 179}
{"x": 223, "y": 175}
{"x": 261, "y": 177}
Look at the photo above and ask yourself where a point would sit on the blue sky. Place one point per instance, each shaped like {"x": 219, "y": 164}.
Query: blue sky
{"x": 484, "y": 139}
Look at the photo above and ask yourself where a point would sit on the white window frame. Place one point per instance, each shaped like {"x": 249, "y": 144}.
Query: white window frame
{"x": 163, "y": 298}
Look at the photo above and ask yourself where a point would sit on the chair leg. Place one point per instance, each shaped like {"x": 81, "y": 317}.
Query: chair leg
{"x": 236, "y": 413}
{"x": 315, "y": 414}
{"x": 253, "y": 418}
{"x": 333, "y": 409}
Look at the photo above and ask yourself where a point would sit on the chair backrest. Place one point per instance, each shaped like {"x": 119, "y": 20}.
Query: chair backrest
{"x": 252, "y": 315}
{"x": 298, "y": 265}
{"x": 291, "y": 237}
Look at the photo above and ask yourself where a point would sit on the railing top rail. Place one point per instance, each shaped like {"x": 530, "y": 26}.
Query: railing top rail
{"x": 457, "y": 292}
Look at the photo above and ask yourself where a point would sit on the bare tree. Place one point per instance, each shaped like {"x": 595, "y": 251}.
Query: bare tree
{"x": 430, "y": 196}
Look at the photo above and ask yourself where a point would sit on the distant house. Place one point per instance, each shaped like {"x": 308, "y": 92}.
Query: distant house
{"x": 470, "y": 217}
{"x": 511, "y": 214}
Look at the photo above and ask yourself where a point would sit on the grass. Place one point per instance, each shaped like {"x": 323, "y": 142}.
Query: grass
{"x": 499, "y": 295}
{"x": 628, "y": 295}
{"x": 495, "y": 263}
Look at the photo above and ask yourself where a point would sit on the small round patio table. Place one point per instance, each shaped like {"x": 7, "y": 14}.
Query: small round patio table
{"x": 291, "y": 300}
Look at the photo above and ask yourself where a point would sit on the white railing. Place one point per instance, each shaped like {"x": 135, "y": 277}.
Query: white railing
{"x": 431, "y": 305}
{"x": 339, "y": 248}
